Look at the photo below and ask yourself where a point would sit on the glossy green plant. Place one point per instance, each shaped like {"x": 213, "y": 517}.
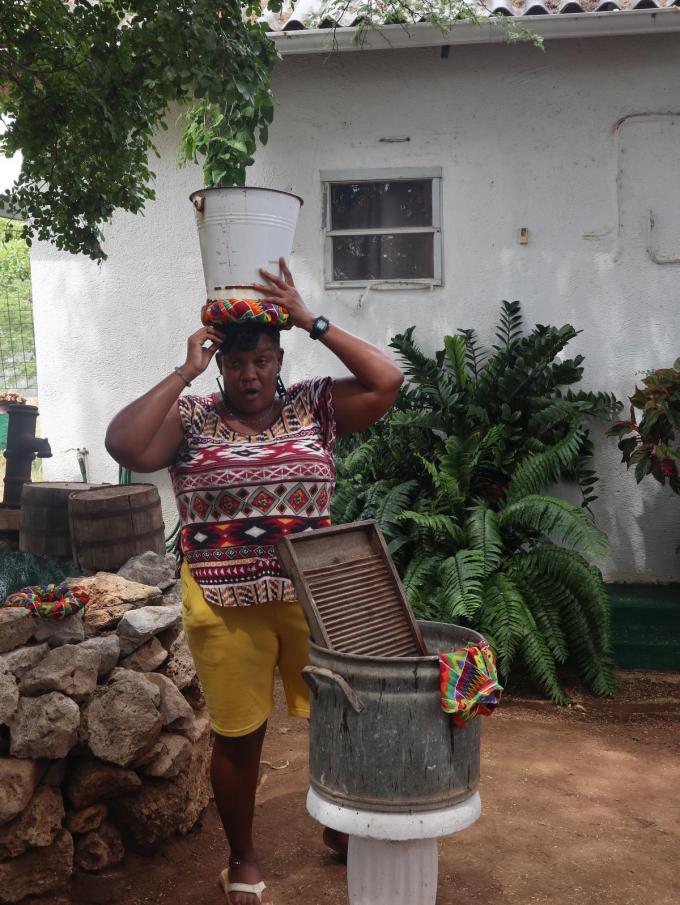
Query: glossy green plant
{"x": 457, "y": 476}
{"x": 652, "y": 444}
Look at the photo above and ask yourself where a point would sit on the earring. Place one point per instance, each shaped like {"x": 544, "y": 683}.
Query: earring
{"x": 280, "y": 387}
{"x": 222, "y": 393}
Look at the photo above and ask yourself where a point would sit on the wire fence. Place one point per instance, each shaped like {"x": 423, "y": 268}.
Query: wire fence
{"x": 17, "y": 342}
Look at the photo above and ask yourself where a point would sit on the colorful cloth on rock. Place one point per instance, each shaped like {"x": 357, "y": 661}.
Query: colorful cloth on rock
{"x": 237, "y": 495}
{"x": 218, "y": 312}
{"x": 50, "y": 601}
{"x": 469, "y": 683}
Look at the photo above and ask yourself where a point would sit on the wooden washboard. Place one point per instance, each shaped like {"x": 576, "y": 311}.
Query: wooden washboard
{"x": 350, "y": 591}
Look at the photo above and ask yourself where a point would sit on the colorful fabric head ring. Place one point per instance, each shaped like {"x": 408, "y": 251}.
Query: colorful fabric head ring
{"x": 49, "y": 601}
{"x": 469, "y": 683}
{"x": 221, "y": 312}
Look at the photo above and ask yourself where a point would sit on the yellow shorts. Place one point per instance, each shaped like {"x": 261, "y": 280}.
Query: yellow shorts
{"x": 236, "y": 650}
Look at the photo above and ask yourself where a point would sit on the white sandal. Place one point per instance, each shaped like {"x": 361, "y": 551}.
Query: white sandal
{"x": 255, "y": 889}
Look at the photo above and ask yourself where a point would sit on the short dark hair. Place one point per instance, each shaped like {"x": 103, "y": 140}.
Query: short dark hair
{"x": 246, "y": 335}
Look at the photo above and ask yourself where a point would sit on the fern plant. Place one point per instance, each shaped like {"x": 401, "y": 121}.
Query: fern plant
{"x": 456, "y": 476}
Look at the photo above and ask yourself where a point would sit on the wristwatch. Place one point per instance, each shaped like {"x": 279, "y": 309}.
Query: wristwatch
{"x": 319, "y": 327}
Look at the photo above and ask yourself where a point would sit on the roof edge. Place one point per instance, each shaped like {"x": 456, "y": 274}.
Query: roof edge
{"x": 554, "y": 27}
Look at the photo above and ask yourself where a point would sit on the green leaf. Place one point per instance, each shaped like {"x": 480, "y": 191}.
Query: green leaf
{"x": 461, "y": 580}
{"x": 483, "y": 534}
{"x": 455, "y": 358}
{"x": 556, "y": 519}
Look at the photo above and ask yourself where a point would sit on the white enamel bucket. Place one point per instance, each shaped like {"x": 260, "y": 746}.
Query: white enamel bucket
{"x": 241, "y": 229}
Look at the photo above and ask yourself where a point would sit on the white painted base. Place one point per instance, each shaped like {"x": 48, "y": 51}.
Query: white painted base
{"x": 396, "y": 827}
{"x": 382, "y": 872}
{"x": 392, "y": 858}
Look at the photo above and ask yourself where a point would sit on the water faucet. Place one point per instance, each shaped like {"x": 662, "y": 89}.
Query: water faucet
{"x": 22, "y": 448}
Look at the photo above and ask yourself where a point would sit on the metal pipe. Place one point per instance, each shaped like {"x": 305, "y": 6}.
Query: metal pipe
{"x": 22, "y": 448}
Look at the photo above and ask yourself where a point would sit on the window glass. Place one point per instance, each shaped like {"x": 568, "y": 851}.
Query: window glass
{"x": 397, "y": 256}
{"x": 372, "y": 205}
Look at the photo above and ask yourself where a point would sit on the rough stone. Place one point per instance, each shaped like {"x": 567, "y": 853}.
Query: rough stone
{"x": 163, "y": 807}
{"x": 68, "y": 669}
{"x": 89, "y": 782}
{"x": 111, "y": 596}
{"x": 173, "y": 705}
{"x": 170, "y": 635}
{"x": 61, "y": 631}
{"x": 108, "y": 649}
{"x": 99, "y": 849}
{"x": 171, "y": 755}
{"x": 121, "y": 722}
{"x": 18, "y": 779}
{"x": 139, "y": 626}
{"x": 38, "y": 871}
{"x": 86, "y": 819}
{"x": 46, "y": 726}
{"x": 142, "y": 680}
{"x": 16, "y": 628}
{"x": 146, "y": 658}
{"x": 151, "y": 569}
{"x": 180, "y": 665}
{"x": 36, "y": 827}
{"x": 192, "y": 729}
{"x": 102, "y": 619}
{"x": 22, "y": 659}
{"x": 172, "y": 596}
{"x": 106, "y": 589}
{"x": 197, "y": 778}
{"x": 9, "y": 696}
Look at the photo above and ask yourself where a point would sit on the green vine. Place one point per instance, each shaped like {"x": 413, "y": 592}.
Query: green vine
{"x": 85, "y": 86}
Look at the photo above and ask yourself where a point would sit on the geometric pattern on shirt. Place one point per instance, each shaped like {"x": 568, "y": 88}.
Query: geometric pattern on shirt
{"x": 237, "y": 495}
{"x": 282, "y": 499}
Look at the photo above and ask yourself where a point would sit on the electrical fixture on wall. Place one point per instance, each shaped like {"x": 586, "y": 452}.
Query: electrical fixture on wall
{"x": 523, "y": 235}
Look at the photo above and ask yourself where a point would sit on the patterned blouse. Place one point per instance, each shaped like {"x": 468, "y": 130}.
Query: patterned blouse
{"x": 237, "y": 494}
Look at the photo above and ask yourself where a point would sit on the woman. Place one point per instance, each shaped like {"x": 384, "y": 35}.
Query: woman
{"x": 248, "y": 468}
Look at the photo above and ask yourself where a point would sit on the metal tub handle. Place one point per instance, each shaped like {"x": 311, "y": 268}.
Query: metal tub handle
{"x": 312, "y": 674}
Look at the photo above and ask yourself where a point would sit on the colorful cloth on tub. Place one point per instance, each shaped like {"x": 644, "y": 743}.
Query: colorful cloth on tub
{"x": 218, "y": 312}
{"x": 469, "y": 682}
{"x": 50, "y": 601}
{"x": 238, "y": 494}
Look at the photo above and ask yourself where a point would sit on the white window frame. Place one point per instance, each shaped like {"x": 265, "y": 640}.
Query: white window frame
{"x": 383, "y": 174}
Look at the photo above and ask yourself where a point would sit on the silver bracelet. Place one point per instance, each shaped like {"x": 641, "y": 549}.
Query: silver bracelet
{"x": 184, "y": 377}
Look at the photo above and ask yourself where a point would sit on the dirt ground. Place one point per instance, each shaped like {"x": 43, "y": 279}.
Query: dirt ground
{"x": 580, "y": 805}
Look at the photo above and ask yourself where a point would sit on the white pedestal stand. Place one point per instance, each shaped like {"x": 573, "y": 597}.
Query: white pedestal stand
{"x": 392, "y": 858}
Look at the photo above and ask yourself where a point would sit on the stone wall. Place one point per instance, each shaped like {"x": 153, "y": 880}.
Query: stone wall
{"x": 104, "y": 740}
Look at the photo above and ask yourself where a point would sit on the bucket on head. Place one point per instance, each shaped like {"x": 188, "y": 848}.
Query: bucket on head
{"x": 379, "y": 739}
{"x": 111, "y": 524}
{"x": 241, "y": 229}
{"x": 44, "y": 525}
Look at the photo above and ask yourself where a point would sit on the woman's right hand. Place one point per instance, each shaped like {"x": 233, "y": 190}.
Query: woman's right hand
{"x": 199, "y": 355}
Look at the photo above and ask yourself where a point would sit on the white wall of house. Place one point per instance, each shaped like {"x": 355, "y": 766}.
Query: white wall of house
{"x": 577, "y": 144}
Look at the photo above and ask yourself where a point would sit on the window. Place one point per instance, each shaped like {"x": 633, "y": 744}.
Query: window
{"x": 382, "y": 226}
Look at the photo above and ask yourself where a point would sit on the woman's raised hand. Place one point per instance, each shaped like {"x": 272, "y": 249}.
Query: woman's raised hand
{"x": 281, "y": 291}
{"x": 200, "y": 355}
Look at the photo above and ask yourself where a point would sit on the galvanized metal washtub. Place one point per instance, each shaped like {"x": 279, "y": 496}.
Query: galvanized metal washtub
{"x": 379, "y": 740}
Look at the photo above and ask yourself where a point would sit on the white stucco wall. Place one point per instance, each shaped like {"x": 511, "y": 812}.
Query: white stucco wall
{"x": 524, "y": 139}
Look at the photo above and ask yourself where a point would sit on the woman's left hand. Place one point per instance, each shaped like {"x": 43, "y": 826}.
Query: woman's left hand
{"x": 281, "y": 291}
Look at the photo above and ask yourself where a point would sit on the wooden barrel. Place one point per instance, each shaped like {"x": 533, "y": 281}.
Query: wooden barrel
{"x": 111, "y": 524}
{"x": 44, "y": 525}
